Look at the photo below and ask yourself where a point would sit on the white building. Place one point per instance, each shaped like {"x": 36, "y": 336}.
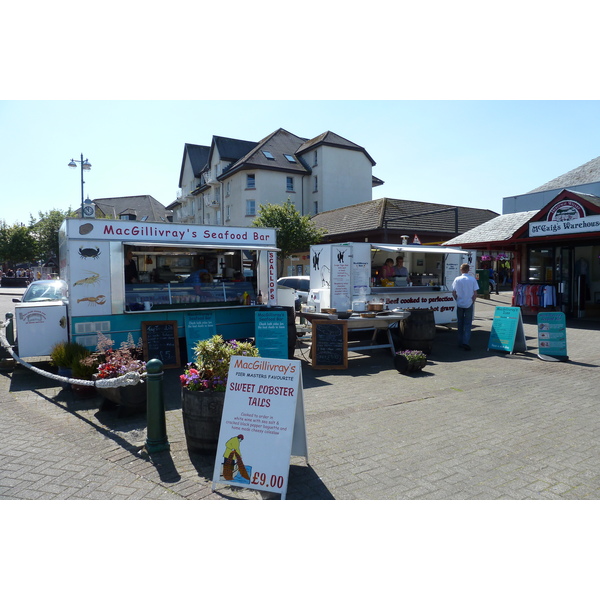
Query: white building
{"x": 226, "y": 182}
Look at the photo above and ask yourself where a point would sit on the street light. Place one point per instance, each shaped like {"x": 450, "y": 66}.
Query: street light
{"x": 85, "y": 166}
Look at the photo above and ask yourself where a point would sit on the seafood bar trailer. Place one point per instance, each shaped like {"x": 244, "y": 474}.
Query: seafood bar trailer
{"x": 181, "y": 271}
{"x": 349, "y": 276}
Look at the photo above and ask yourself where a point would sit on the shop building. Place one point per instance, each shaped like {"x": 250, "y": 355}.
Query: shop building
{"x": 553, "y": 253}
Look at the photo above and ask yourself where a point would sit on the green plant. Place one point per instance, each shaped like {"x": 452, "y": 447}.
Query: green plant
{"x": 110, "y": 364}
{"x": 413, "y": 356}
{"x": 64, "y": 354}
{"x": 83, "y": 368}
{"x": 211, "y": 367}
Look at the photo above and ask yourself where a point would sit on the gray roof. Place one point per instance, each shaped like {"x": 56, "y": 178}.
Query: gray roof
{"x": 277, "y": 144}
{"x": 499, "y": 229}
{"x": 231, "y": 149}
{"x": 250, "y": 155}
{"x": 198, "y": 158}
{"x": 143, "y": 207}
{"x": 587, "y": 173}
{"x": 401, "y": 215}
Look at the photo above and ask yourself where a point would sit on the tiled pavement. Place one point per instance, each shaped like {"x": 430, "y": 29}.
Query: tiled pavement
{"x": 472, "y": 425}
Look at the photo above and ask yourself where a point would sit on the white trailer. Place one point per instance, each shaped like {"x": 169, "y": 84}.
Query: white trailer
{"x": 347, "y": 276}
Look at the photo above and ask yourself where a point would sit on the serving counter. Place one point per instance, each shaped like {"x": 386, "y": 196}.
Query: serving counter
{"x": 380, "y": 322}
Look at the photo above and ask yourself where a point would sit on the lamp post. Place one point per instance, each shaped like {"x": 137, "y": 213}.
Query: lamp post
{"x": 85, "y": 166}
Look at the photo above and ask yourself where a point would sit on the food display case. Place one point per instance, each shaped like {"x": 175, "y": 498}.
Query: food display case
{"x": 178, "y": 296}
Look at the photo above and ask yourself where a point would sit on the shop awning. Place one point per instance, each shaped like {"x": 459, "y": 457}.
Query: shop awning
{"x": 422, "y": 249}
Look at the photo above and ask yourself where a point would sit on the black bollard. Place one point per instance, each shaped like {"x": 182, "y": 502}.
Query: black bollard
{"x": 156, "y": 434}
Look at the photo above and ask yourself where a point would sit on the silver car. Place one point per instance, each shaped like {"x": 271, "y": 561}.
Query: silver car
{"x": 45, "y": 290}
{"x": 301, "y": 285}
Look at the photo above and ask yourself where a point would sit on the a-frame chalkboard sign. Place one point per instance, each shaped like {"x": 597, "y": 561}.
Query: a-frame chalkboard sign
{"x": 507, "y": 330}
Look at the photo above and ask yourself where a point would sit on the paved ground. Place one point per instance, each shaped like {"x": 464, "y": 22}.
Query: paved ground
{"x": 472, "y": 425}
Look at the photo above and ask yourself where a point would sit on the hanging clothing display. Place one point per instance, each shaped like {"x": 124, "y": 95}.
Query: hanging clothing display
{"x": 534, "y": 294}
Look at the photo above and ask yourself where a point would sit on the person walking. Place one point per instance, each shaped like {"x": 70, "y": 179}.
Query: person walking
{"x": 464, "y": 291}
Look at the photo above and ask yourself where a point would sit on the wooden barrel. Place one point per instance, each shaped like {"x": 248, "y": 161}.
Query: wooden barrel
{"x": 418, "y": 330}
{"x": 201, "y": 413}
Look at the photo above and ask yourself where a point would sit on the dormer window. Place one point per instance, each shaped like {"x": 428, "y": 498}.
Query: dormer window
{"x": 268, "y": 155}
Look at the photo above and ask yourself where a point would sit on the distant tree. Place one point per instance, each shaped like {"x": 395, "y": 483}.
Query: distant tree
{"x": 45, "y": 229}
{"x": 295, "y": 232}
{"x": 17, "y": 244}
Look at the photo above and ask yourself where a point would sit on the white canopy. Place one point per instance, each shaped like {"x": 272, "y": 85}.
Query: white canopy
{"x": 417, "y": 248}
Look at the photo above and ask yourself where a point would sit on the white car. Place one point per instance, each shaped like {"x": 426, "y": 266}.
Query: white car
{"x": 301, "y": 285}
{"x": 45, "y": 290}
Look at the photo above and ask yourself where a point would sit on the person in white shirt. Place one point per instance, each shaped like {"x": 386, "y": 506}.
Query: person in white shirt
{"x": 464, "y": 290}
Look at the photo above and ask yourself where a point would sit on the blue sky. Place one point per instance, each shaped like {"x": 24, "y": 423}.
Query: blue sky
{"x": 458, "y": 103}
{"x": 466, "y": 153}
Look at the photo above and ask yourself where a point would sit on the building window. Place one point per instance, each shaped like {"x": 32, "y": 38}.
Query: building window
{"x": 268, "y": 155}
{"x": 289, "y": 184}
{"x": 228, "y": 212}
{"x": 316, "y": 208}
{"x": 250, "y": 208}
{"x": 228, "y": 188}
{"x": 316, "y": 184}
{"x": 290, "y": 158}
{"x": 315, "y": 163}
{"x": 126, "y": 217}
{"x": 251, "y": 182}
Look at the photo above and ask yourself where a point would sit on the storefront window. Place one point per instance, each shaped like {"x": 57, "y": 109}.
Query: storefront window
{"x": 541, "y": 265}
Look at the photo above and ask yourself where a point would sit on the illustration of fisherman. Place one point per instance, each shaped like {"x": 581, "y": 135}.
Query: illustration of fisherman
{"x": 233, "y": 459}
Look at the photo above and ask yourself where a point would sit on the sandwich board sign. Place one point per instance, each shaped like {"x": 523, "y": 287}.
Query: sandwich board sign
{"x": 262, "y": 424}
{"x": 552, "y": 336}
{"x": 507, "y": 330}
{"x": 271, "y": 333}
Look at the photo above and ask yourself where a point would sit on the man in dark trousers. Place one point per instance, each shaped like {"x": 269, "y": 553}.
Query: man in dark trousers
{"x": 464, "y": 290}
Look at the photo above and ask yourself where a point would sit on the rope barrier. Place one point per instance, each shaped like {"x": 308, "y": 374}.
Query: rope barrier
{"x": 131, "y": 378}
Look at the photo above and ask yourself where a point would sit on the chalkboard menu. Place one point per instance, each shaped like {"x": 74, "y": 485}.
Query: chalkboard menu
{"x": 198, "y": 326}
{"x": 329, "y": 344}
{"x": 160, "y": 341}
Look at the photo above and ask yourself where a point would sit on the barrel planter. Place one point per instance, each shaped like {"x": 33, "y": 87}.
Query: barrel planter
{"x": 201, "y": 413}
{"x": 418, "y": 330}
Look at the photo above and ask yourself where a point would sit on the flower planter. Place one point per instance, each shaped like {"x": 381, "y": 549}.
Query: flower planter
{"x": 67, "y": 373}
{"x": 404, "y": 365}
{"x": 129, "y": 399}
{"x": 83, "y": 391}
{"x": 201, "y": 412}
